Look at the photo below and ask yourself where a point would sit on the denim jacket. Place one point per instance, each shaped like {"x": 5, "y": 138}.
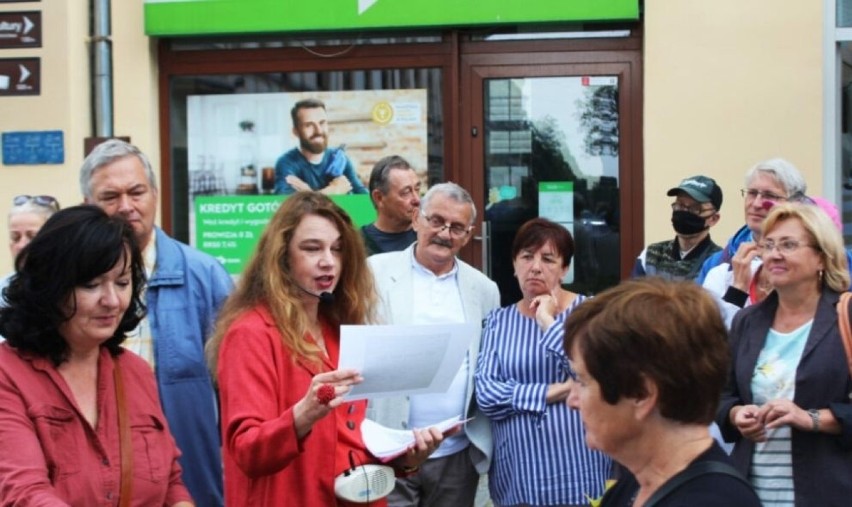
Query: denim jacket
{"x": 183, "y": 297}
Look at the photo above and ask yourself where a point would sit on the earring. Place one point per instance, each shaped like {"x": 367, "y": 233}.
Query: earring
{"x": 820, "y": 274}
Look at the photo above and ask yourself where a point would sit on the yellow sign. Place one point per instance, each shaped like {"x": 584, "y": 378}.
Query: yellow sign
{"x": 382, "y": 113}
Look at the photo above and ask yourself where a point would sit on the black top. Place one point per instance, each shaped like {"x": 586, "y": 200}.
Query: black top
{"x": 663, "y": 259}
{"x": 708, "y": 490}
{"x": 377, "y": 241}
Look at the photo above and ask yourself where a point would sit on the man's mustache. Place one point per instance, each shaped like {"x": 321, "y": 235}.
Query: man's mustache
{"x": 442, "y": 242}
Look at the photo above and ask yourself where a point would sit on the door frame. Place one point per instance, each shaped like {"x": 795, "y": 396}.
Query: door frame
{"x": 612, "y": 59}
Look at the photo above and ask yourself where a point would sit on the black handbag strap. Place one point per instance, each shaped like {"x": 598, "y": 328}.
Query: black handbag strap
{"x": 693, "y": 472}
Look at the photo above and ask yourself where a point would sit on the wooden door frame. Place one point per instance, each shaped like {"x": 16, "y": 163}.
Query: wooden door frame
{"x": 625, "y": 63}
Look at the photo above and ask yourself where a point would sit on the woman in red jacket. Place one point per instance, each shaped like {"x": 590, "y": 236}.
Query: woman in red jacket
{"x": 80, "y": 419}
{"x": 286, "y": 431}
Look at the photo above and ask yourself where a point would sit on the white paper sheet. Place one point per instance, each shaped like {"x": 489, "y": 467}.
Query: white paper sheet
{"x": 404, "y": 360}
{"x": 386, "y": 443}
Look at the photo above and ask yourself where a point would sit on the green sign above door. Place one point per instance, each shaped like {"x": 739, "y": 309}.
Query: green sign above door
{"x": 208, "y": 17}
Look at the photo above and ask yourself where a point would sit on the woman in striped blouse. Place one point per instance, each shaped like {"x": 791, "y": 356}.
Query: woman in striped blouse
{"x": 522, "y": 381}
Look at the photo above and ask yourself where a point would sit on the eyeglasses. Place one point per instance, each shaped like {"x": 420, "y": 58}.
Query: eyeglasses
{"x": 751, "y": 194}
{"x": 695, "y": 210}
{"x": 42, "y": 200}
{"x": 785, "y": 246}
{"x": 438, "y": 223}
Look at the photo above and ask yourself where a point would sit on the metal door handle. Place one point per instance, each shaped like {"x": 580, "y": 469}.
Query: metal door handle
{"x": 485, "y": 238}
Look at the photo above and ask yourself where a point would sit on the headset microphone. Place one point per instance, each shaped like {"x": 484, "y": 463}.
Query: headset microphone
{"x": 324, "y": 297}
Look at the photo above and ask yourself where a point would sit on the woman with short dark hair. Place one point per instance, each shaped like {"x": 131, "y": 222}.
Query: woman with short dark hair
{"x": 523, "y": 377}
{"x": 80, "y": 418}
{"x": 651, "y": 358}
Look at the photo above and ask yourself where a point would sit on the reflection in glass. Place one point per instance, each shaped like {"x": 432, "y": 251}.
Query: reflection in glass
{"x": 844, "y": 13}
{"x": 551, "y": 150}
{"x": 846, "y": 135}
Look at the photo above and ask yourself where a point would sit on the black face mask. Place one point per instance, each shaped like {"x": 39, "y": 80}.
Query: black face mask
{"x": 687, "y": 223}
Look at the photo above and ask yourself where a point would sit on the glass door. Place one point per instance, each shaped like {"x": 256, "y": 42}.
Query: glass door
{"x": 551, "y": 150}
{"x": 551, "y": 146}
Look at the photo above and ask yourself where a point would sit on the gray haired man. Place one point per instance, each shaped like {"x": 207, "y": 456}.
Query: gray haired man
{"x": 184, "y": 292}
{"x": 426, "y": 284}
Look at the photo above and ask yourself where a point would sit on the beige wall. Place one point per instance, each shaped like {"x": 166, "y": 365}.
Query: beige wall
{"x": 729, "y": 83}
{"x": 64, "y": 103}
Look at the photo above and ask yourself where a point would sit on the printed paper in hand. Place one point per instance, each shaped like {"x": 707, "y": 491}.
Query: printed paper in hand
{"x": 386, "y": 443}
{"x": 398, "y": 360}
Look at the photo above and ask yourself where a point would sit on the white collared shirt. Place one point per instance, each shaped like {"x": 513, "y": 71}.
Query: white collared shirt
{"x": 437, "y": 300}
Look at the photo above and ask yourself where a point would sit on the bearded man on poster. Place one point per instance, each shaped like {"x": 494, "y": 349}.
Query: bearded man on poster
{"x": 312, "y": 165}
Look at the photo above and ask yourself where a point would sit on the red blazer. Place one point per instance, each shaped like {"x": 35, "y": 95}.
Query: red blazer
{"x": 259, "y": 383}
{"x": 50, "y": 454}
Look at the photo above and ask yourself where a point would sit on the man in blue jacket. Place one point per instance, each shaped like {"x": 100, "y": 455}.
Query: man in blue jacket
{"x": 766, "y": 183}
{"x": 184, "y": 292}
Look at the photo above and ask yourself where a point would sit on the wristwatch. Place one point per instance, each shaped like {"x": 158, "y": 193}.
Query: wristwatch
{"x": 406, "y": 471}
{"x": 814, "y": 413}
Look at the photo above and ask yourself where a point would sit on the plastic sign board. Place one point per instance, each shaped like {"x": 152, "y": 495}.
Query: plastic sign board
{"x": 33, "y": 148}
{"x": 556, "y": 200}
{"x": 20, "y": 76}
{"x": 556, "y": 203}
{"x": 20, "y": 30}
{"x": 207, "y": 17}
{"x": 228, "y": 227}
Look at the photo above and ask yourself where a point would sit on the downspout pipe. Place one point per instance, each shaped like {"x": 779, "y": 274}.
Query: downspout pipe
{"x": 102, "y": 72}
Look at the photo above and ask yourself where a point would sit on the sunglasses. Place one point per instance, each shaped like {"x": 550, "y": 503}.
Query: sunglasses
{"x": 42, "y": 200}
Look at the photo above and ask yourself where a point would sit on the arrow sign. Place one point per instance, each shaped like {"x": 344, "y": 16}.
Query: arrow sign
{"x": 20, "y": 76}
{"x": 363, "y": 5}
{"x": 20, "y": 29}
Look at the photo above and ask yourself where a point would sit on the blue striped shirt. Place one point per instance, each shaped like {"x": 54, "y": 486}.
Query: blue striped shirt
{"x": 540, "y": 454}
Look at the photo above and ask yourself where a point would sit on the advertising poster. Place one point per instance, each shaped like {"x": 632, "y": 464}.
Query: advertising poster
{"x": 246, "y": 156}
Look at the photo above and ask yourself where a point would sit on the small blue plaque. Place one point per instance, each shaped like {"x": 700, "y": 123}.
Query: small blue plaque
{"x": 32, "y": 148}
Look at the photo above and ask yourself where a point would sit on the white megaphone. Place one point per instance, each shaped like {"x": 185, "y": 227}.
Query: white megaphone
{"x": 365, "y": 483}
